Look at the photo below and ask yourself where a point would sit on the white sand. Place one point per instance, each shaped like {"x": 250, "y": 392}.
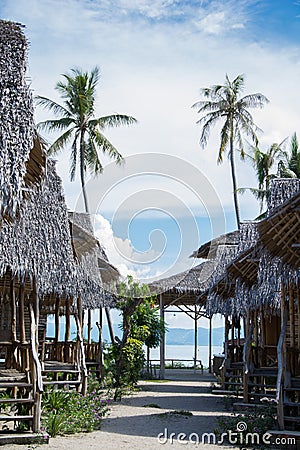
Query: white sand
{"x": 131, "y": 425}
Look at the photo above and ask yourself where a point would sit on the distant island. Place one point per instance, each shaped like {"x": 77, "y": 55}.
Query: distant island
{"x": 174, "y": 336}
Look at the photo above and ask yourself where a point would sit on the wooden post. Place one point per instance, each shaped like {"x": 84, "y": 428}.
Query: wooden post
{"x": 110, "y": 326}
{"x": 100, "y": 355}
{"x": 246, "y": 355}
{"x": 195, "y": 337}
{"x": 89, "y": 337}
{"x": 36, "y": 373}
{"x": 68, "y": 321}
{"x": 210, "y": 346}
{"x": 13, "y": 310}
{"x": 281, "y": 356}
{"x": 162, "y": 341}
{"x": 292, "y": 329}
{"x": 21, "y": 314}
{"x": 82, "y": 362}
{"x": 57, "y": 301}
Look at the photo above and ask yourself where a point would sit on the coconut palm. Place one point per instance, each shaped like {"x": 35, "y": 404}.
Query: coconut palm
{"x": 289, "y": 167}
{"x": 81, "y": 130}
{"x": 223, "y": 102}
{"x": 263, "y": 163}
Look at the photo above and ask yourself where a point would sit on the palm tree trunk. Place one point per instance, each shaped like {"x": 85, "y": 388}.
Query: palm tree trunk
{"x": 234, "y": 182}
{"x": 82, "y": 173}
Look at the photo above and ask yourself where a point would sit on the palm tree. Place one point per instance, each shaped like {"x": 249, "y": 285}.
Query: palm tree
{"x": 290, "y": 167}
{"x": 76, "y": 119}
{"x": 264, "y": 162}
{"x": 223, "y": 102}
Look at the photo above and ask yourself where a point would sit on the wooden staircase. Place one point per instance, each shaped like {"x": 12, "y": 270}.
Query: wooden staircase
{"x": 56, "y": 373}
{"x": 233, "y": 376}
{"x": 291, "y": 404}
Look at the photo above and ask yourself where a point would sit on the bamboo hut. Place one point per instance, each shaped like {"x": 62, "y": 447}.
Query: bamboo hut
{"x": 183, "y": 291}
{"x": 97, "y": 281}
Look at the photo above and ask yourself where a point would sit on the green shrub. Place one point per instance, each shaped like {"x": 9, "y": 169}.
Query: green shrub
{"x": 66, "y": 412}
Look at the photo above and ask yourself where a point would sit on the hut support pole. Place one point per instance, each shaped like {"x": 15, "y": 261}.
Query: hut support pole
{"x": 162, "y": 341}
{"x": 298, "y": 304}
{"x": 82, "y": 355}
{"x": 246, "y": 355}
{"x": 21, "y": 314}
{"x": 195, "y": 338}
{"x": 89, "y": 340}
{"x": 292, "y": 329}
{"x": 100, "y": 360}
{"x": 68, "y": 321}
{"x": 13, "y": 311}
{"x": 281, "y": 356}
{"x": 210, "y": 345}
{"x": 57, "y": 319}
{"x": 109, "y": 323}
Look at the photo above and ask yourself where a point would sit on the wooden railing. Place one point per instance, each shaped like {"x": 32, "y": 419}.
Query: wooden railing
{"x": 65, "y": 351}
{"x": 91, "y": 351}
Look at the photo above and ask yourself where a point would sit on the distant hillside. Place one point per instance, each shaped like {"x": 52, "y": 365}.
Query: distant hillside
{"x": 175, "y": 336}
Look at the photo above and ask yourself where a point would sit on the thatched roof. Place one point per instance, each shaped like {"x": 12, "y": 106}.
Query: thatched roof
{"x": 281, "y": 191}
{"x": 22, "y": 158}
{"x": 38, "y": 243}
{"x": 92, "y": 263}
{"x": 209, "y": 249}
{"x": 280, "y": 232}
{"x": 184, "y": 288}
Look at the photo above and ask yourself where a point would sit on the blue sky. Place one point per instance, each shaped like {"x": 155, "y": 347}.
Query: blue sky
{"x": 154, "y": 57}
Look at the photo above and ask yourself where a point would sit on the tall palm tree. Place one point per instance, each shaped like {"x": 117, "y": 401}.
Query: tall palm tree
{"x": 290, "y": 166}
{"x": 263, "y": 163}
{"x": 81, "y": 129}
{"x": 223, "y": 102}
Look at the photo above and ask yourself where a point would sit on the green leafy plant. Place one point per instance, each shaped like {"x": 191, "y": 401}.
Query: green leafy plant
{"x": 66, "y": 412}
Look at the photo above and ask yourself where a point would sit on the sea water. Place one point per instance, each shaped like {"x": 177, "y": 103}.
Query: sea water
{"x": 186, "y": 352}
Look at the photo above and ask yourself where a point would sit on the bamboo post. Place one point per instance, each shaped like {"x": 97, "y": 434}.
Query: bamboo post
{"x": 162, "y": 341}
{"x": 83, "y": 363}
{"x": 100, "y": 351}
{"x": 21, "y": 313}
{"x": 111, "y": 330}
{"x": 89, "y": 337}
{"x": 292, "y": 328}
{"x": 195, "y": 337}
{"x": 246, "y": 355}
{"x": 57, "y": 327}
{"x": 210, "y": 345}
{"x": 13, "y": 310}
{"x": 36, "y": 373}
{"x": 281, "y": 355}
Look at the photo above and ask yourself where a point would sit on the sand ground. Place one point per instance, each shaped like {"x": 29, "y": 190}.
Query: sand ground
{"x": 133, "y": 425}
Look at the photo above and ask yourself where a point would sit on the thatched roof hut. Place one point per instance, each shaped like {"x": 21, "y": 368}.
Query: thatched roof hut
{"x": 93, "y": 264}
{"x": 38, "y": 243}
{"x": 184, "y": 288}
{"x": 210, "y": 248}
{"x": 22, "y": 159}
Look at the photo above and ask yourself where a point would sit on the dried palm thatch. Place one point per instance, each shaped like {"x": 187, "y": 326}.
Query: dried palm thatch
{"x": 22, "y": 158}
{"x": 38, "y": 243}
{"x": 90, "y": 257}
{"x": 209, "y": 249}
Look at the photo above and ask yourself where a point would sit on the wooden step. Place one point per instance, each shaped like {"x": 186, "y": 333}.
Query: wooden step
{"x": 23, "y": 438}
{"x": 293, "y": 404}
{"x": 60, "y": 370}
{"x": 7, "y": 418}
{"x": 10, "y": 384}
{"x": 61, "y": 382}
{"x": 226, "y": 392}
{"x": 266, "y": 386}
{"x": 292, "y": 389}
{"x": 261, "y": 394}
{"x": 231, "y": 383}
{"x": 16, "y": 400}
{"x": 292, "y": 418}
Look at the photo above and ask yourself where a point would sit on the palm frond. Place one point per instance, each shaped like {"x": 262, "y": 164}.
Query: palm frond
{"x": 56, "y": 108}
{"x": 92, "y": 159}
{"x": 55, "y": 124}
{"x": 60, "y": 142}
{"x": 101, "y": 142}
{"x": 112, "y": 121}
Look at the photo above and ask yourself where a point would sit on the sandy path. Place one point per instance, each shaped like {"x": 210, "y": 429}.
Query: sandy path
{"x": 131, "y": 425}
